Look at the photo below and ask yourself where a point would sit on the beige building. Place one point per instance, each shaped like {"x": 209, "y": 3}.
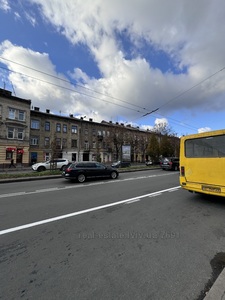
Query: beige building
{"x": 14, "y": 129}
{"x": 53, "y": 136}
{"x": 30, "y": 135}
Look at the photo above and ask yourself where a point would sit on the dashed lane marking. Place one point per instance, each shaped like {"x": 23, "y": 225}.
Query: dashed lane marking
{"x": 78, "y": 186}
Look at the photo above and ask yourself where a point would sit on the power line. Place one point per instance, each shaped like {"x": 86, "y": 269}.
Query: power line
{"x": 117, "y": 99}
{"x": 69, "y": 89}
{"x": 184, "y": 92}
{"x": 70, "y": 82}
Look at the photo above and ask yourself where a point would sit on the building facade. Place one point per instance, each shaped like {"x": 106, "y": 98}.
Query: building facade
{"x": 14, "y": 129}
{"x": 30, "y": 135}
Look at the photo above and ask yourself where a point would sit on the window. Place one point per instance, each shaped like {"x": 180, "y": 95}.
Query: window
{"x": 94, "y": 145}
{"x": 11, "y": 133}
{"x": 9, "y": 155}
{"x": 47, "y": 141}
{"x": 64, "y": 128}
{"x": 74, "y": 129}
{"x": 12, "y": 113}
{"x": 93, "y": 131}
{"x": 210, "y": 146}
{"x": 58, "y": 143}
{"x": 34, "y": 141}
{"x": 47, "y": 126}
{"x": 86, "y": 145}
{"x": 21, "y": 115}
{"x": 35, "y": 124}
{"x": 47, "y": 156}
{"x": 15, "y": 133}
{"x": 74, "y": 143}
{"x": 86, "y": 131}
{"x": 58, "y": 127}
{"x": 20, "y": 134}
{"x": 64, "y": 143}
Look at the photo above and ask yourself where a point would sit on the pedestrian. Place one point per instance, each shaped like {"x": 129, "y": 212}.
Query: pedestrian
{"x": 12, "y": 164}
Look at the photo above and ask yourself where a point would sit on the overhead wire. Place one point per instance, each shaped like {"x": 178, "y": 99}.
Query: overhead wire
{"x": 142, "y": 109}
{"x": 184, "y": 92}
{"x": 74, "y": 84}
{"x": 69, "y": 89}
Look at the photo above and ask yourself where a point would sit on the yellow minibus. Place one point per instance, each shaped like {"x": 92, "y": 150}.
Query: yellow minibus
{"x": 202, "y": 162}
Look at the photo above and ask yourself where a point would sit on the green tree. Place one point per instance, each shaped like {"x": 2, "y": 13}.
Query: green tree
{"x": 166, "y": 146}
{"x": 153, "y": 148}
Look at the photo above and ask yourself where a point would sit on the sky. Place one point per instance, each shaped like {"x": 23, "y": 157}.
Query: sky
{"x": 138, "y": 62}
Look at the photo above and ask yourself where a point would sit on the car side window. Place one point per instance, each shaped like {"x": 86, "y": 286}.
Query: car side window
{"x": 90, "y": 165}
{"x": 80, "y": 165}
{"x": 99, "y": 166}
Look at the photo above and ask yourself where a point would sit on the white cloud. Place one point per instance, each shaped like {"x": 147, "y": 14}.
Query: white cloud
{"x": 4, "y": 5}
{"x": 204, "y": 129}
{"x": 191, "y": 35}
{"x": 17, "y": 16}
{"x": 31, "y": 19}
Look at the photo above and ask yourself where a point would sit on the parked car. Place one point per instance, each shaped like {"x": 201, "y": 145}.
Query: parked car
{"x": 80, "y": 171}
{"x": 59, "y": 163}
{"x": 170, "y": 163}
{"x": 148, "y": 162}
{"x": 121, "y": 164}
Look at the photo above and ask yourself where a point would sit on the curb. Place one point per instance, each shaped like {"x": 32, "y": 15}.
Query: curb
{"x": 217, "y": 291}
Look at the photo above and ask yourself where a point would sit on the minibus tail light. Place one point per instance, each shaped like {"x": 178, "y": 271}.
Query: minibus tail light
{"x": 182, "y": 171}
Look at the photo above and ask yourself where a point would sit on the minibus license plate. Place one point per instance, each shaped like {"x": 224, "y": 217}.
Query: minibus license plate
{"x": 209, "y": 188}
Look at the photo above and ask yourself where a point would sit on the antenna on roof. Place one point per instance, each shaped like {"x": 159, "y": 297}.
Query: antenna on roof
{"x": 13, "y": 88}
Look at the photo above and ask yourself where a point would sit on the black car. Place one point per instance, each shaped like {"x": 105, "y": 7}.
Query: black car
{"x": 170, "y": 163}
{"x": 80, "y": 171}
{"x": 121, "y": 164}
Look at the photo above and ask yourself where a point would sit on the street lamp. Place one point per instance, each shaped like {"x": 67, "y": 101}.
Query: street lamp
{"x": 80, "y": 137}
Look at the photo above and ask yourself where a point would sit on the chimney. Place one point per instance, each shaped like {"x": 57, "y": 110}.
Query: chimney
{"x": 71, "y": 116}
{"x": 90, "y": 120}
{"x": 36, "y": 108}
{"x": 47, "y": 111}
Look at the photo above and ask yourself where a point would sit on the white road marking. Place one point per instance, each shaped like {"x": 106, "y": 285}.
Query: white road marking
{"x": 79, "y": 186}
{"x": 83, "y": 211}
{"x": 132, "y": 201}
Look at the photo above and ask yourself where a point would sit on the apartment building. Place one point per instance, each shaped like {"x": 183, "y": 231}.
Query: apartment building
{"x": 79, "y": 139}
{"x": 14, "y": 129}
{"x": 31, "y": 135}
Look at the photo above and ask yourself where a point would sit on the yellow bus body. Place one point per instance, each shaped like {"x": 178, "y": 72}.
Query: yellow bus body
{"x": 203, "y": 174}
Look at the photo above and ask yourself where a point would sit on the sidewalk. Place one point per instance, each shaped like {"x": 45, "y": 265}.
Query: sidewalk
{"x": 217, "y": 291}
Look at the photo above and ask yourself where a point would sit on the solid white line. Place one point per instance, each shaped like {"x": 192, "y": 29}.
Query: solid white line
{"x": 132, "y": 201}
{"x": 81, "y": 212}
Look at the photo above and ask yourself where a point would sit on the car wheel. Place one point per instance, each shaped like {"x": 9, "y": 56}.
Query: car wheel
{"x": 81, "y": 178}
{"x": 41, "y": 169}
{"x": 63, "y": 168}
{"x": 113, "y": 175}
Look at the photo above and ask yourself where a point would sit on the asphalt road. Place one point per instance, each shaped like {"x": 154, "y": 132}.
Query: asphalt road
{"x": 137, "y": 237}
